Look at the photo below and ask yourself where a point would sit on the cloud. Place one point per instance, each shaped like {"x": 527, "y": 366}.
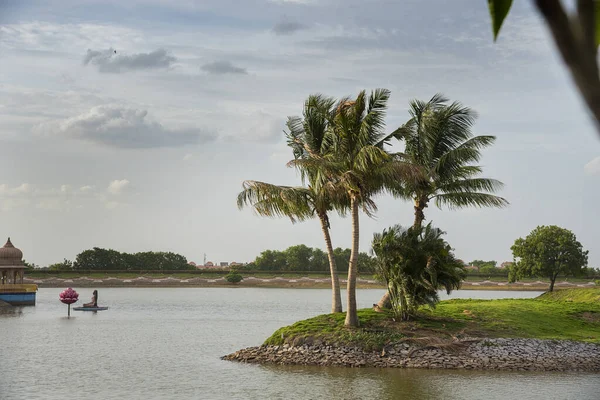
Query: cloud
{"x": 287, "y": 27}
{"x": 117, "y": 186}
{"x": 86, "y": 188}
{"x": 124, "y": 128}
{"x": 61, "y": 198}
{"x": 109, "y": 61}
{"x": 187, "y": 157}
{"x": 593, "y": 167}
{"x": 7, "y": 191}
{"x": 223, "y": 67}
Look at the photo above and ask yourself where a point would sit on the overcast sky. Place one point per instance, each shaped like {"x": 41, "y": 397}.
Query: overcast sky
{"x": 132, "y": 124}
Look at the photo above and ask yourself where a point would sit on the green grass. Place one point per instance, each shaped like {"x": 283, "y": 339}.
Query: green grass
{"x": 573, "y": 295}
{"x": 569, "y": 314}
{"x": 329, "y": 329}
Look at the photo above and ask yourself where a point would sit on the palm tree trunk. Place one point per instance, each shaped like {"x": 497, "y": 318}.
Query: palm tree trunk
{"x": 336, "y": 298}
{"x": 351, "y": 314}
{"x": 385, "y": 301}
{"x": 419, "y": 215}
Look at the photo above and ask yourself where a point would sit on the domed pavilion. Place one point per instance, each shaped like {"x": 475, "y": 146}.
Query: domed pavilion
{"x": 12, "y": 269}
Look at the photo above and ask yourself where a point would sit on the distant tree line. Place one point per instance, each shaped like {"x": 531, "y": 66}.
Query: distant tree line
{"x": 304, "y": 258}
{"x": 108, "y": 259}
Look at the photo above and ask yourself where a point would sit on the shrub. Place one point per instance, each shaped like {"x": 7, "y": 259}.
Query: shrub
{"x": 234, "y": 277}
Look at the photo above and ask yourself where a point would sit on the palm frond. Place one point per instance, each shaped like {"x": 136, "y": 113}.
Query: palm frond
{"x": 469, "y": 199}
{"x": 267, "y": 200}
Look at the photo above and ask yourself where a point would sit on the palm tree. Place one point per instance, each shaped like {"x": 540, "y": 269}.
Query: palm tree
{"x": 440, "y": 143}
{"x": 307, "y": 138}
{"x": 356, "y": 162}
{"x": 416, "y": 263}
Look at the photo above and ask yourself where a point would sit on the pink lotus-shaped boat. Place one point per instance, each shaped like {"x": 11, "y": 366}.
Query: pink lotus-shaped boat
{"x": 68, "y": 296}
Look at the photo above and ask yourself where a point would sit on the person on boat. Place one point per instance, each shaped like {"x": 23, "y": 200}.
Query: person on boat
{"x": 94, "y": 302}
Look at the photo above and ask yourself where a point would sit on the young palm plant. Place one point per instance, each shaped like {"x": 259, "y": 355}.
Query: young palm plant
{"x": 439, "y": 141}
{"x": 356, "y": 162}
{"x": 415, "y": 263}
{"x": 307, "y": 138}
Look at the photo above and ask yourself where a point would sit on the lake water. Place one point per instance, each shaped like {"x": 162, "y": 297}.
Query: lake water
{"x": 165, "y": 343}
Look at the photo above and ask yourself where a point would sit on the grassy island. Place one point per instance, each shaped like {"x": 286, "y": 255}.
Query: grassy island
{"x": 568, "y": 314}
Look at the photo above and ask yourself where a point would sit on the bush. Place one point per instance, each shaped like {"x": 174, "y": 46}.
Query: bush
{"x": 234, "y": 277}
{"x": 597, "y": 282}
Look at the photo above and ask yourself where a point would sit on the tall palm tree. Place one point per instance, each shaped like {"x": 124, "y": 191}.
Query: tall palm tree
{"x": 357, "y": 163}
{"x": 307, "y": 138}
{"x": 439, "y": 141}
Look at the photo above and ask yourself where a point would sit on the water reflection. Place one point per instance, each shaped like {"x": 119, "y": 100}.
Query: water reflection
{"x": 11, "y": 311}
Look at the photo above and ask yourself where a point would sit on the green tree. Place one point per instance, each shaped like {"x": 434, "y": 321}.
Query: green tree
{"x": 488, "y": 269}
{"x": 357, "y": 163}
{"x": 307, "y": 137}
{"x": 576, "y": 36}
{"x": 482, "y": 263}
{"x": 438, "y": 140}
{"x": 270, "y": 260}
{"x": 548, "y": 251}
{"x": 298, "y": 257}
{"x": 65, "y": 265}
{"x": 319, "y": 260}
{"x": 415, "y": 263}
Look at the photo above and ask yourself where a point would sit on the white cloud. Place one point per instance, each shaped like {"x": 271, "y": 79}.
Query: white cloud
{"x": 120, "y": 127}
{"x": 593, "y": 167}
{"x": 187, "y": 157}
{"x": 117, "y": 186}
{"x": 6, "y": 190}
{"x": 86, "y": 188}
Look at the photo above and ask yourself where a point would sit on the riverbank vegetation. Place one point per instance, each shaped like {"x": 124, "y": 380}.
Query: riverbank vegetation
{"x": 569, "y": 314}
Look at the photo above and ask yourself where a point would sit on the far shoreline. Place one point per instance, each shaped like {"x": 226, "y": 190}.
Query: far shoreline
{"x": 276, "y": 282}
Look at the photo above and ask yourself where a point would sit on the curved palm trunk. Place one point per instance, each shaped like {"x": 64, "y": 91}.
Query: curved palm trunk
{"x": 351, "y": 314}
{"x": 336, "y": 298}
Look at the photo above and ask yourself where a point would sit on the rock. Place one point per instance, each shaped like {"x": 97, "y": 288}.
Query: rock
{"x": 495, "y": 354}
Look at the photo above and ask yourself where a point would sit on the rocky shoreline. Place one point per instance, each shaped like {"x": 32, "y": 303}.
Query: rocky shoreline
{"x": 491, "y": 354}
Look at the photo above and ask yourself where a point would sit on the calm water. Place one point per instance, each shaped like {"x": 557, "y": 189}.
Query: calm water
{"x": 165, "y": 344}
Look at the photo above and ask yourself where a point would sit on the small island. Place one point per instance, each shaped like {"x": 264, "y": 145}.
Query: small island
{"x": 557, "y": 331}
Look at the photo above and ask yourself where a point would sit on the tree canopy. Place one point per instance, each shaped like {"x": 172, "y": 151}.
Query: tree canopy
{"x": 548, "y": 251}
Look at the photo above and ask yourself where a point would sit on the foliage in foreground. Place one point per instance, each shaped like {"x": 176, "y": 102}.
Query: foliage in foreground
{"x": 571, "y": 314}
{"x": 416, "y": 263}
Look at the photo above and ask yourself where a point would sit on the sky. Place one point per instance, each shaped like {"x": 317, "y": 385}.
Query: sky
{"x": 132, "y": 124}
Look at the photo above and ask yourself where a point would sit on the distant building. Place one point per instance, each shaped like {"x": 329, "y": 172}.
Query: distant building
{"x": 209, "y": 264}
{"x": 473, "y": 268}
{"x": 193, "y": 264}
{"x": 505, "y": 264}
{"x": 223, "y": 264}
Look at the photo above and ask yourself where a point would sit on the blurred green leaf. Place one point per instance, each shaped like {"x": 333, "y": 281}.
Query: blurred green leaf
{"x": 498, "y": 11}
